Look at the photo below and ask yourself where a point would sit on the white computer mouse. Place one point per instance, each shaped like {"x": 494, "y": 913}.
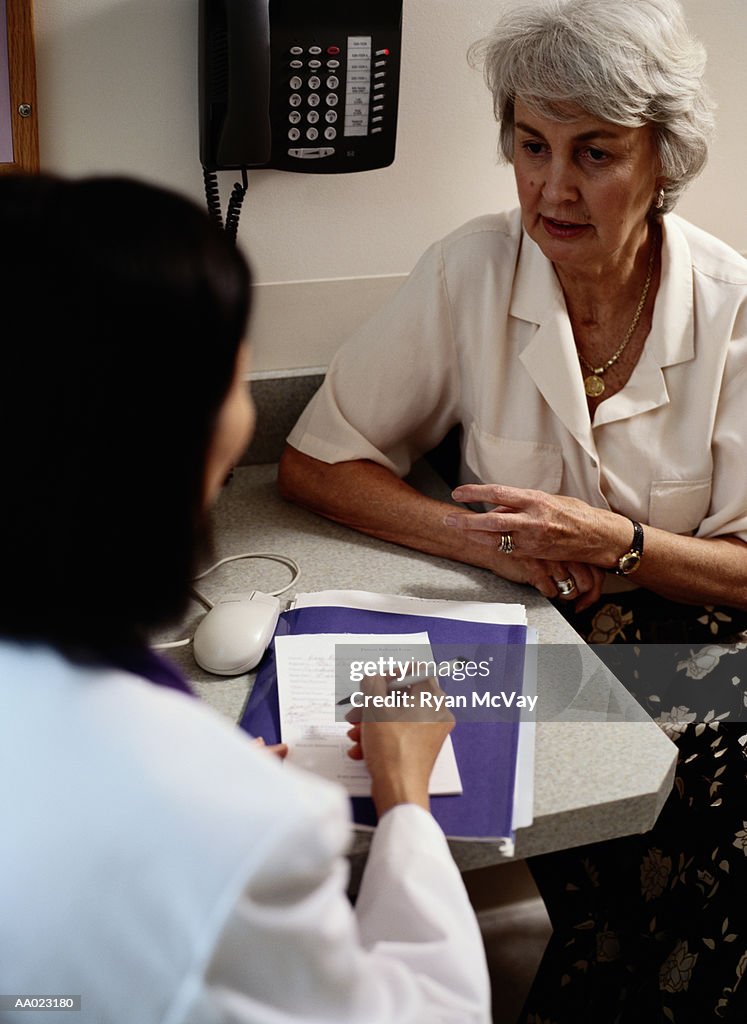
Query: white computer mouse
{"x": 234, "y": 634}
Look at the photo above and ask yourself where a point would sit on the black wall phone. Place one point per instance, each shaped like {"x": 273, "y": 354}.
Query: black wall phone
{"x": 299, "y": 85}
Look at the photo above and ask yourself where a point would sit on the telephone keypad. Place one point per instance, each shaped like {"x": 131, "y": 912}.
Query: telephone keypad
{"x": 352, "y": 80}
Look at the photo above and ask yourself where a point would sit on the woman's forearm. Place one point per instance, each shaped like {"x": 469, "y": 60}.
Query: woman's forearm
{"x": 694, "y": 570}
{"x": 369, "y": 498}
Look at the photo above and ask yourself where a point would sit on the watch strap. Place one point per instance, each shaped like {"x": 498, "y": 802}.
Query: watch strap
{"x": 628, "y": 562}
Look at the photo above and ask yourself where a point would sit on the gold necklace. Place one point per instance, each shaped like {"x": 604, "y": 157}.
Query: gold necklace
{"x": 593, "y": 384}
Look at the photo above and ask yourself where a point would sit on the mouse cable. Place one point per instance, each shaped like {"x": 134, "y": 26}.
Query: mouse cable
{"x": 208, "y": 604}
{"x": 283, "y": 559}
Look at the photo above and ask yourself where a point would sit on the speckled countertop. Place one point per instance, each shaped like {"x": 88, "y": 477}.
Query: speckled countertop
{"x": 602, "y": 767}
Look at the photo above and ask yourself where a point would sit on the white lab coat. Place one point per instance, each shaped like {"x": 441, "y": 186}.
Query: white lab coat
{"x": 157, "y": 863}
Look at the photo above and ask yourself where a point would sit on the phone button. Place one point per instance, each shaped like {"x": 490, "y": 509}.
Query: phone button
{"x": 315, "y": 50}
{"x": 294, "y": 134}
{"x": 332, "y": 99}
{"x": 313, "y": 116}
{"x": 295, "y": 83}
{"x": 315, "y": 64}
{"x": 330, "y": 133}
{"x": 332, "y": 82}
{"x": 312, "y": 154}
{"x": 295, "y": 100}
{"x": 312, "y": 134}
{"x": 331, "y": 116}
{"x": 296, "y": 50}
{"x": 314, "y": 82}
{"x": 294, "y": 117}
{"x": 333, "y": 64}
{"x": 313, "y": 99}
{"x": 296, "y": 63}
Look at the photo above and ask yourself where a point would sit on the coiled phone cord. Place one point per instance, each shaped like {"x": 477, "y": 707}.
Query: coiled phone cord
{"x": 212, "y": 195}
{"x": 234, "y": 205}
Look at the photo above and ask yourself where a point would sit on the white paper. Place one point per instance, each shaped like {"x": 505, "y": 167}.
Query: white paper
{"x": 306, "y": 695}
{"x": 468, "y": 611}
{"x": 523, "y": 814}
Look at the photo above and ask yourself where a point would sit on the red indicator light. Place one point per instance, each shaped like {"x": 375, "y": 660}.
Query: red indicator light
{"x": 333, "y": 50}
{"x": 385, "y": 53}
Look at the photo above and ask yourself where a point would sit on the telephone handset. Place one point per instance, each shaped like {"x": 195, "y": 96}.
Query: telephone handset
{"x": 298, "y": 85}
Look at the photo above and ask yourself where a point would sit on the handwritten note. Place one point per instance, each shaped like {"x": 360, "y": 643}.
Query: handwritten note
{"x": 306, "y": 697}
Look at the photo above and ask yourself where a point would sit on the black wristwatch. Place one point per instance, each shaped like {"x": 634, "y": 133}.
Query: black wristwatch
{"x": 631, "y": 560}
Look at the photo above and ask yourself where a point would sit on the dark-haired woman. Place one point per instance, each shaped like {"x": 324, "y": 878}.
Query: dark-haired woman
{"x": 155, "y": 861}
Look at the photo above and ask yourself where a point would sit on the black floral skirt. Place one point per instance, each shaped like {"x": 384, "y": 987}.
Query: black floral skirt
{"x": 653, "y": 928}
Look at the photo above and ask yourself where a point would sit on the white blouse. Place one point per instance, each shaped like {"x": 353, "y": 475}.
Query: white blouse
{"x": 158, "y": 864}
{"x": 479, "y": 335}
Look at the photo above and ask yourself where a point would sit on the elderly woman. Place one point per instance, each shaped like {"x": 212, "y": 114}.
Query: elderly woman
{"x": 592, "y": 348}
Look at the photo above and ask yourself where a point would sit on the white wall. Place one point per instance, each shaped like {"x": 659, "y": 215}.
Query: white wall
{"x": 118, "y": 93}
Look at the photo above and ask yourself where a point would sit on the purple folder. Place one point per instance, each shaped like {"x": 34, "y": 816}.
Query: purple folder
{"x": 485, "y": 749}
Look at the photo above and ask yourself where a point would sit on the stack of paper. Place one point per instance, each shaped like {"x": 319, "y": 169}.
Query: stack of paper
{"x": 487, "y": 790}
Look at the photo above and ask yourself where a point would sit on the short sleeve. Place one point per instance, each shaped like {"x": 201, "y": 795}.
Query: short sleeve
{"x": 727, "y": 515}
{"x": 392, "y": 391}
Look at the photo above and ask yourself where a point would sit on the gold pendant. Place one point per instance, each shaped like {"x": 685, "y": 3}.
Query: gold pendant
{"x": 593, "y": 385}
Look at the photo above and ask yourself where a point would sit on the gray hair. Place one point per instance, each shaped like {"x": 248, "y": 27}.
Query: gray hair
{"x": 629, "y": 62}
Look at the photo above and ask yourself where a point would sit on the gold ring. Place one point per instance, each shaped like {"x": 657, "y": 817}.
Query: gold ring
{"x": 565, "y": 587}
{"x": 506, "y": 544}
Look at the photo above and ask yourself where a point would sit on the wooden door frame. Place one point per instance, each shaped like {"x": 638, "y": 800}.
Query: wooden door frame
{"x": 21, "y": 58}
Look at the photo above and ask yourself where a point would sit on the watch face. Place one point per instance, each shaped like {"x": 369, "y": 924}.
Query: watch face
{"x": 629, "y": 562}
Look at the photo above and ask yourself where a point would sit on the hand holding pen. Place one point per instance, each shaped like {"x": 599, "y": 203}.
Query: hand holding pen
{"x": 399, "y": 745}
